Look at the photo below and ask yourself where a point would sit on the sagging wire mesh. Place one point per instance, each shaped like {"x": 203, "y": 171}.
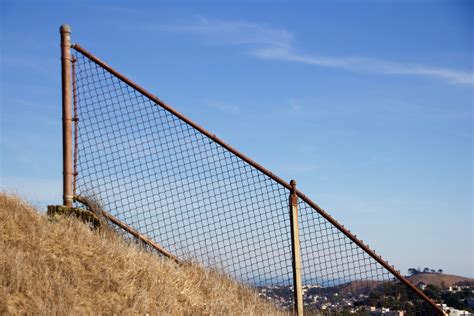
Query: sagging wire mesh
{"x": 202, "y": 203}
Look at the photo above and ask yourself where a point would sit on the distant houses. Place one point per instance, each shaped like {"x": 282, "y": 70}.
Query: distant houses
{"x": 454, "y": 312}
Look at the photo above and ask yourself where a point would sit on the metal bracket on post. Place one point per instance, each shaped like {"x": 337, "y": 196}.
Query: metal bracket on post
{"x": 296, "y": 250}
{"x": 65, "y": 31}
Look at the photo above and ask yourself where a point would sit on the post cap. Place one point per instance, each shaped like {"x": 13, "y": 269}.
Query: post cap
{"x": 65, "y": 28}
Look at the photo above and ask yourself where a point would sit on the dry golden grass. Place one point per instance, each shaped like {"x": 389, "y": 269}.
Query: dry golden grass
{"x": 62, "y": 267}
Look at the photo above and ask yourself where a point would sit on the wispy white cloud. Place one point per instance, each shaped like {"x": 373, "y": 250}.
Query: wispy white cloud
{"x": 265, "y": 42}
{"x": 361, "y": 64}
{"x": 236, "y": 32}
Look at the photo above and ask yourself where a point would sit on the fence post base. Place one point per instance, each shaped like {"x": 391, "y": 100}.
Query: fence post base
{"x": 84, "y": 215}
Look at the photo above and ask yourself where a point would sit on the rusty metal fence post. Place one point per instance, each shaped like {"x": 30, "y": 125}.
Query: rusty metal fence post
{"x": 296, "y": 250}
{"x": 65, "y": 31}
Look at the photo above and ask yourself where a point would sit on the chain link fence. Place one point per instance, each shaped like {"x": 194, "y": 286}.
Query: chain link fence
{"x": 200, "y": 201}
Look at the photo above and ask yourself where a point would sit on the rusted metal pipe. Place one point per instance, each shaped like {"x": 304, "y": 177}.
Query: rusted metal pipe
{"x": 65, "y": 32}
{"x": 262, "y": 169}
{"x": 296, "y": 250}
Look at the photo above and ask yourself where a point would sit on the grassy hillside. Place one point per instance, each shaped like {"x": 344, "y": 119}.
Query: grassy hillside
{"x": 62, "y": 267}
{"x": 438, "y": 279}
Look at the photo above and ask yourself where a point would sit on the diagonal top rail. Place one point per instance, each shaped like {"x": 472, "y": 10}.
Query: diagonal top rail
{"x": 262, "y": 169}
{"x": 181, "y": 116}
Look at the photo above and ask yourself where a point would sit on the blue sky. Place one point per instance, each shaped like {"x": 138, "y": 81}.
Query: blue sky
{"x": 368, "y": 105}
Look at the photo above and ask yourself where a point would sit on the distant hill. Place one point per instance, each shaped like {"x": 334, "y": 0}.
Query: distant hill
{"x": 362, "y": 286}
{"x": 60, "y": 267}
{"x": 438, "y": 279}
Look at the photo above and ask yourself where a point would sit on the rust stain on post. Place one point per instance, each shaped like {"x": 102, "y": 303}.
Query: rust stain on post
{"x": 296, "y": 250}
{"x": 65, "y": 31}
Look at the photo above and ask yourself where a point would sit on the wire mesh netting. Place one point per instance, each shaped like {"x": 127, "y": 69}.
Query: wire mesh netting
{"x": 173, "y": 184}
{"x": 170, "y": 182}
